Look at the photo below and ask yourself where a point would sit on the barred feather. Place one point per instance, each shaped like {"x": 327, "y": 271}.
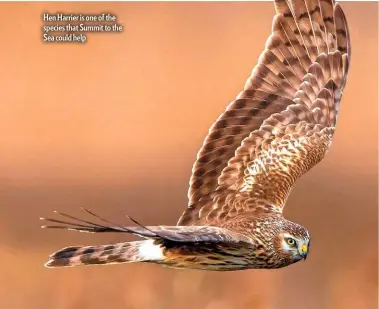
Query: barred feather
{"x": 299, "y": 80}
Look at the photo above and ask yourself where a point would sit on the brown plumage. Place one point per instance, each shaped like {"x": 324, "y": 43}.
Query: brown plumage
{"x": 277, "y": 129}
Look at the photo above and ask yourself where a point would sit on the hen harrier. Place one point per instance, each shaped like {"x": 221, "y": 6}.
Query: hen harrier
{"x": 277, "y": 129}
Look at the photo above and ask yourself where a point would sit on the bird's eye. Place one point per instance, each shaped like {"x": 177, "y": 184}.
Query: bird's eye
{"x": 291, "y": 241}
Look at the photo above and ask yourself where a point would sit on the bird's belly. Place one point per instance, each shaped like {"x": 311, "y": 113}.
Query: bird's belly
{"x": 205, "y": 263}
{"x": 209, "y": 256}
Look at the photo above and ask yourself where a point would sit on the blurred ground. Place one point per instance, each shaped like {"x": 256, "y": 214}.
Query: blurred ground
{"x": 115, "y": 125}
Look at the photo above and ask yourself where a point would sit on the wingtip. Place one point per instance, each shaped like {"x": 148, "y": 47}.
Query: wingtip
{"x": 49, "y": 264}
{"x": 54, "y": 263}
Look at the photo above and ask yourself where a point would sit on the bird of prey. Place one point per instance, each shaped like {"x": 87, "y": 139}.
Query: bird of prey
{"x": 277, "y": 129}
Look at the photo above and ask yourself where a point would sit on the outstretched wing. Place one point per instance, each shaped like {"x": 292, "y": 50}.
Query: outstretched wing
{"x": 281, "y": 124}
{"x": 173, "y": 234}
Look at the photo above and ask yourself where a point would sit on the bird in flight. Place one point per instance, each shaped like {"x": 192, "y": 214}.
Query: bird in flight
{"x": 277, "y": 129}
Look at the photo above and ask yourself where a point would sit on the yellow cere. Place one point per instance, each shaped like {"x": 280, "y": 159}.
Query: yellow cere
{"x": 304, "y": 248}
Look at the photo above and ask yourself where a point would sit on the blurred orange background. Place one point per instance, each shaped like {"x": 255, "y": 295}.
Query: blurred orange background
{"x": 114, "y": 125}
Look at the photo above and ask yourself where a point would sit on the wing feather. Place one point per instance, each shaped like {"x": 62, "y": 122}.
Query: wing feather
{"x": 282, "y": 123}
{"x": 173, "y": 234}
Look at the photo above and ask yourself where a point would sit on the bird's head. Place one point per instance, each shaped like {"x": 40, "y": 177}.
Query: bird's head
{"x": 292, "y": 242}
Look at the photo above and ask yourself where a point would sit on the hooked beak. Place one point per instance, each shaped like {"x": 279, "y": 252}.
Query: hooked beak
{"x": 304, "y": 251}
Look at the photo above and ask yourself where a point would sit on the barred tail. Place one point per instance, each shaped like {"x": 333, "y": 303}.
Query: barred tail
{"x": 127, "y": 252}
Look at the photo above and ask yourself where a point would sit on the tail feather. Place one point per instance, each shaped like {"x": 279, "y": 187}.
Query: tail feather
{"x": 127, "y": 252}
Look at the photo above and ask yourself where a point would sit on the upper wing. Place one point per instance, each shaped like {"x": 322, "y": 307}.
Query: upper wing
{"x": 283, "y": 121}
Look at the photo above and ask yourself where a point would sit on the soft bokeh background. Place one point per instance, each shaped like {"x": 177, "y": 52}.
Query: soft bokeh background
{"x": 115, "y": 125}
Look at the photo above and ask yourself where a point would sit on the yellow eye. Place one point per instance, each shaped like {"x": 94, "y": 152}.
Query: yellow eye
{"x": 291, "y": 242}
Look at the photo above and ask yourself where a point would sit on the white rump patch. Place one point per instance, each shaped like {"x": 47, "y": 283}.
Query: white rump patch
{"x": 149, "y": 251}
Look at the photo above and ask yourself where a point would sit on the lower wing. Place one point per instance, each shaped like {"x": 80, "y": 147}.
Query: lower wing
{"x": 179, "y": 234}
